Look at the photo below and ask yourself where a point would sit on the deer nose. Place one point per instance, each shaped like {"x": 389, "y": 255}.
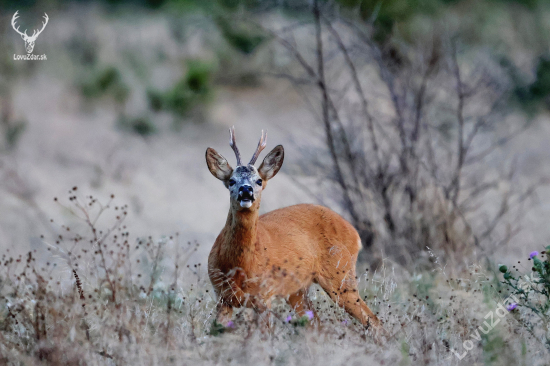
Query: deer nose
{"x": 246, "y": 193}
{"x": 245, "y": 190}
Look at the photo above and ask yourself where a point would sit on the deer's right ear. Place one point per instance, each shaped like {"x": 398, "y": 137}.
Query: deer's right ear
{"x": 218, "y": 165}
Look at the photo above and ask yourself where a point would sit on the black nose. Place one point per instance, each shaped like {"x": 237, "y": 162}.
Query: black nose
{"x": 246, "y": 192}
{"x": 246, "y": 189}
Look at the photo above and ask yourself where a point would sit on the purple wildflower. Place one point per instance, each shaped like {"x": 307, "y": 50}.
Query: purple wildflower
{"x": 309, "y": 314}
{"x": 345, "y": 322}
{"x": 512, "y": 306}
{"x": 288, "y": 319}
{"x": 533, "y": 254}
{"x": 230, "y": 324}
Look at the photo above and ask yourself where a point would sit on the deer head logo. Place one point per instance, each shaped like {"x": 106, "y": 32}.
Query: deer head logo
{"x": 29, "y": 40}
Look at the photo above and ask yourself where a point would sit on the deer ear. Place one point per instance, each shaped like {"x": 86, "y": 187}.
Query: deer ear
{"x": 272, "y": 163}
{"x": 218, "y": 165}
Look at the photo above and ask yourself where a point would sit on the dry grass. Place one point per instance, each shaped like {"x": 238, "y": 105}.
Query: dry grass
{"x": 92, "y": 293}
{"x": 95, "y": 295}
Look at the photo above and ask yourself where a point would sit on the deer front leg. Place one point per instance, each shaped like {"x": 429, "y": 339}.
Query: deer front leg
{"x": 224, "y": 315}
{"x": 229, "y": 288}
{"x": 229, "y": 296}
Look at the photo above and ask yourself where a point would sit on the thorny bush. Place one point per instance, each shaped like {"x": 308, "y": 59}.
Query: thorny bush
{"x": 532, "y": 289}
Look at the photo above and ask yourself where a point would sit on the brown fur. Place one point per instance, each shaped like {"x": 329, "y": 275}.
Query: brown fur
{"x": 282, "y": 253}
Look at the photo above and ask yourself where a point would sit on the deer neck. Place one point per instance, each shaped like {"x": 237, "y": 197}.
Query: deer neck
{"x": 241, "y": 234}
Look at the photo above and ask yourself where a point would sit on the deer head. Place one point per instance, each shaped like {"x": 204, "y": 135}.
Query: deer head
{"x": 29, "y": 40}
{"x": 245, "y": 182}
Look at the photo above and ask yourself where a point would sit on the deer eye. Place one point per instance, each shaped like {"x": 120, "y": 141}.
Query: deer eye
{"x": 259, "y": 182}
{"x": 232, "y": 182}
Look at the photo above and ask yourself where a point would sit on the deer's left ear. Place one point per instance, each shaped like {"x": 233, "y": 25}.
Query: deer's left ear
{"x": 272, "y": 163}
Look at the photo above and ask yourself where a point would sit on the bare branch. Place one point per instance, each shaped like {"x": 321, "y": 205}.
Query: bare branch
{"x": 358, "y": 88}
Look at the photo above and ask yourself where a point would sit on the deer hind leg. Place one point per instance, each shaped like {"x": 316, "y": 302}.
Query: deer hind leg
{"x": 357, "y": 308}
{"x": 342, "y": 288}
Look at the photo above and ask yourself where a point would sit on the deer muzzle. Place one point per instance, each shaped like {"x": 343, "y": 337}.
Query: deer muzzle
{"x": 246, "y": 196}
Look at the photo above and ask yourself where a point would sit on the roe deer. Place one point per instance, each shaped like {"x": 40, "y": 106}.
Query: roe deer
{"x": 280, "y": 253}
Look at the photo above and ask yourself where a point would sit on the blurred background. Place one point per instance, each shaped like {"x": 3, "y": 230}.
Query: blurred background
{"x": 425, "y": 124}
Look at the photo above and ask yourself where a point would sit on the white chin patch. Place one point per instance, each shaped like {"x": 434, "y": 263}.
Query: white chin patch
{"x": 246, "y": 204}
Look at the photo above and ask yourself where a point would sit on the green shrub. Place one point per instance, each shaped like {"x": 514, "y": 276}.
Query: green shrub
{"x": 216, "y": 328}
{"x": 13, "y": 132}
{"x": 194, "y": 89}
{"x": 242, "y": 39}
{"x": 385, "y": 14}
{"x": 493, "y": 347}
{"x": 530, "y": 96}
{"x": 541, "y": 86}
{"x": 106, "y": 82}
{"x": 142, "y": 126}
{"x": 526, "y": 3}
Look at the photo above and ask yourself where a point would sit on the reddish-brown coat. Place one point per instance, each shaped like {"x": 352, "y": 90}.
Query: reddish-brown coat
{"x": 283, "y": 252}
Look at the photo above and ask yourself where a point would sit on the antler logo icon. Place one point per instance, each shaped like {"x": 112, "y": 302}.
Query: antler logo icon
{"x": 29, "y": 40}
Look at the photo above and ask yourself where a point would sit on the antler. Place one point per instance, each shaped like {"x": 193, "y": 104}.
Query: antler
{"x": 35, "y": 34}
{"x": 261, "y": 146}
{"x": 233, "y": 145}
{"x": 13, "y": 19}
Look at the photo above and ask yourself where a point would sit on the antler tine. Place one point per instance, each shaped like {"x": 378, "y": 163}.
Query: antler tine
{"x": 261, "y": 146}
{"x": 46, "y": 18}
{"x": 233, "y": 144}
{"x": 13, "y": 21}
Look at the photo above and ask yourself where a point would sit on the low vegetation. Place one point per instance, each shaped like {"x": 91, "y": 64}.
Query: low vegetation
{"x": 93, "y": 294}
{"x": 531, "y": 290}
{"x": 408, "y": 132}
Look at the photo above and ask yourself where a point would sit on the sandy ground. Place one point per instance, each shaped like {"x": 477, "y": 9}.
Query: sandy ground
{"x": 164, "y": 178}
